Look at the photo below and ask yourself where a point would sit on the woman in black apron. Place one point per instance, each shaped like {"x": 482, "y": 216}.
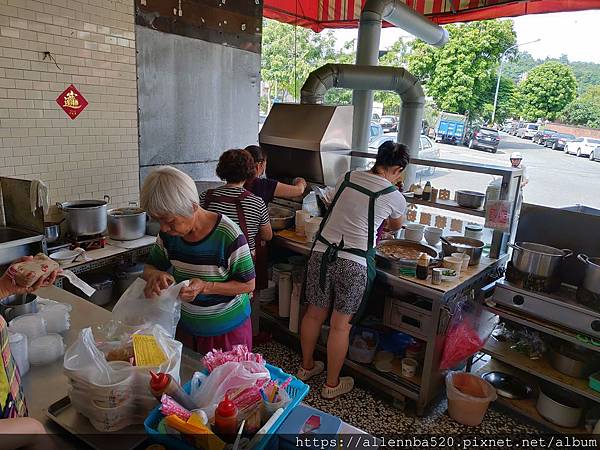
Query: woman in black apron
{"x": 341, "y": 268}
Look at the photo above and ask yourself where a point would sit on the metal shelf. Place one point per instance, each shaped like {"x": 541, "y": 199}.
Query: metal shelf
{"x": 540, "y": 368}
{"x": 391, "y": 384}
{"x": 525, "y": 407}
{"x": 537, "y": 324}
{"x": 449, "y": 205}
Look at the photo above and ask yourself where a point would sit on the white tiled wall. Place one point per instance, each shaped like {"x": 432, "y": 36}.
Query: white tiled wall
{"x": 92, "y": 44}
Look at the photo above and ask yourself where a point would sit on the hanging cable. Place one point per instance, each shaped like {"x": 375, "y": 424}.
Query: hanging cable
{"x": 296, "y": 52}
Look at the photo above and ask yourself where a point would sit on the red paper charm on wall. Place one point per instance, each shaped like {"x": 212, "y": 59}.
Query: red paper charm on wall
{"x": 72, "y": 102}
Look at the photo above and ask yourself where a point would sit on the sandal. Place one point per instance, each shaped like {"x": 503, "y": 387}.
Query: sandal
{"x": 306, "y": 374}
{"x": 344, "y": 386}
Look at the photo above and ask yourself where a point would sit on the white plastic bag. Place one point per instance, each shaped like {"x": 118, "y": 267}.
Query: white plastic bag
{"x": 136, "y": 311}
{"x": 230, "y": 375}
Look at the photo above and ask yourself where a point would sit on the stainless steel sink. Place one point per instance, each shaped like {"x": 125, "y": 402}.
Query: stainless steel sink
{"x": 12, "y": 234}
{"x": 15, "y": 243}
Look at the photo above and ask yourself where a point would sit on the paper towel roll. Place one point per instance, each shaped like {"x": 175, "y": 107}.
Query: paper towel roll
{"x": 285, "y": 293}
{"x": 295, "y": 307}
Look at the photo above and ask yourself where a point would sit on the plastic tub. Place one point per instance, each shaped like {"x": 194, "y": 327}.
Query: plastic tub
{"x": 18, "y": 348}
{"x": 468, "y": 397}
{"x": 31, "y": 325}
{"x": 363, "y": 346}
{"x": 46, "y": 349}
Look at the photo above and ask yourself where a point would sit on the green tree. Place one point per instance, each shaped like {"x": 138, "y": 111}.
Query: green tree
{"x": 460, "y": 75}
{"x": 547, "y": 90}
{"x": 585, "y": 110}
{"x": 346, "y": 55}
{"x": 508, "y": 102}
{"x": 518, "y": 65}
{"x": 289, "y": 54}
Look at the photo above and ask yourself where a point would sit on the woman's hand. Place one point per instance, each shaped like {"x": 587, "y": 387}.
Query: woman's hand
{"x": 195, "y": 288}
{"x": 156, "y": 282}
{"x": 9, "y": 287}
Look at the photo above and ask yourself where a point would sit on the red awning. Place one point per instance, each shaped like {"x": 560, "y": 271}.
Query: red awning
{"x": 321, "y": 14}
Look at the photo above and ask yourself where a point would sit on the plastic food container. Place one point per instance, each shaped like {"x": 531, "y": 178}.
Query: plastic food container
{"x": 46, "y": 349}
{"x": 468, "y": 397}
{"x": 58, "y": 317}
{"x": 31, "y": 325}
{"x": 19, "y": 350}
{"x": 363, "y": 346}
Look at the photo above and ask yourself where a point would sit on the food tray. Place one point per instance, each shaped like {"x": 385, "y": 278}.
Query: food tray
{"x": 297, "y": 390}
{"x": 66, "y": 416}
{"x": 387, "y": 262}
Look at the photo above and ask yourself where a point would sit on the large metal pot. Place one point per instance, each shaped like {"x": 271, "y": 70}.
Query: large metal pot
{"x": 103, "y": 284}
{"x": 17, "y": 305}
{"x": 85, "y": 217}
{"x": 126, "y": 224}
{"x": 570, "y": 362}
{"x": 470, "y": 199}
{"x": 125, "y": 274}
{"x": 559, "y": 407}
{"x": 460, "y": 244}
{"x": 591, "y": 282}
{"x": 52, "y": 231}
{"x": 537, "y": 259}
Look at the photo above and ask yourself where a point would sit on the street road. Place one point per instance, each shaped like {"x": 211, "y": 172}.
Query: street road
{"x": 555, "y": 178}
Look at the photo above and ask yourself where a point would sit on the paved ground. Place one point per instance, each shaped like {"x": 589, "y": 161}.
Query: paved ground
{"x": 555, "y": 179}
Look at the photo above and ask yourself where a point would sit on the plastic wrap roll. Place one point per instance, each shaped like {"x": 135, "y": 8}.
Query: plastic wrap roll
{"x": 285, "y": 293}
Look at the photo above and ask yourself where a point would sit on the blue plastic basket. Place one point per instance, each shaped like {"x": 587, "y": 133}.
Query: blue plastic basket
{"x": 297, "y": 390}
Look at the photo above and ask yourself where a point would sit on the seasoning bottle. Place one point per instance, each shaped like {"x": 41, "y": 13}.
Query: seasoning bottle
{"x": 427, "y": 191}
{"x": 422, "y": 266}
{"x": 163, "y": 383}
{"x": 226, "y": 419}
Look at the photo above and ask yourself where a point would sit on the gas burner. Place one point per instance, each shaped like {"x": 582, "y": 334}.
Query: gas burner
{"x": 91, "y": 242}
{"x": 563, "y": 307}
{"x": 531, "y": 282}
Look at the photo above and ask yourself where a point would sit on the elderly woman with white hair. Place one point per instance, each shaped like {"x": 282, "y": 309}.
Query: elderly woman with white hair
{"x": 208, "y": 249}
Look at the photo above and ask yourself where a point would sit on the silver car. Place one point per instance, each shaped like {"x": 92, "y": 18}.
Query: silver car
{"x": 427, "y": 149}
{"x": 527, "y": 131}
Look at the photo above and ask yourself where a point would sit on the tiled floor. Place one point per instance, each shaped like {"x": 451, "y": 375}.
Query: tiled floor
{"x": 366, "y": 410}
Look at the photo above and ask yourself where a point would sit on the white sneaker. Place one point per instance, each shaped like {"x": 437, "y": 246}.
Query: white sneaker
{"x": 306, "y": 374}
{"x": 344, "y": 386}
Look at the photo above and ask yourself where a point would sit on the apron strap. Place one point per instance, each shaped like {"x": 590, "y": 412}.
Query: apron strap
{"x": 210, "y": 197}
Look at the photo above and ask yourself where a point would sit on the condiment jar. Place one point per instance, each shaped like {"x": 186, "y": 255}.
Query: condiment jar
{"x": 474, "y": 231}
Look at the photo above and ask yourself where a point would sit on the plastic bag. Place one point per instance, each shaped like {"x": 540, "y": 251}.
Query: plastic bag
{"x": 208, "y": 390}
{"x": 469, "y": 328}
{"x": 136, "y": 311}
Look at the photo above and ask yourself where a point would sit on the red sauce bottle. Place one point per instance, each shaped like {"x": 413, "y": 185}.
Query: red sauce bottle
{"x": 226, "y": 419}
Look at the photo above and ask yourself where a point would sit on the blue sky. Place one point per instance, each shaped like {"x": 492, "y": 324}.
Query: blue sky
{"x": 572, "y": 33}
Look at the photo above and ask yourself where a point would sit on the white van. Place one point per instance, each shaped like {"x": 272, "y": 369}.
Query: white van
{"x": 528, "y": 130}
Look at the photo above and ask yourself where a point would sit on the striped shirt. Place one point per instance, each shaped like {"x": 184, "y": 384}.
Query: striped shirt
{"x": 221, "y": 256}
{"x": 255, "y": 210}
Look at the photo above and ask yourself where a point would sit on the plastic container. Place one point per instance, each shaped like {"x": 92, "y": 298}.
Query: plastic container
{"x": 19, "y": 350}
{"x": 31, "y": 325}
{"x": 297, "y": 390}
{"x": 270, "y": 407}
{"x": 58, "y": 317}
{"x": 468, "y": 397}
{"x": 46, "y": 349}
{"x": 226, "y": 419}
{"x": 395, "y": 342}
{"x": 363, "y": 346}
{"x": 285, "y": 294}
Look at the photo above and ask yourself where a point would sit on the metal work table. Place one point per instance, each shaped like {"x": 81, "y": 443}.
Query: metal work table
{"x": 433, "y": 318}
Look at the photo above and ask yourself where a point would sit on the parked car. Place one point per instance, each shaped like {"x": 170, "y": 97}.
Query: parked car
{"x": 482, "y": 137}
{"x": 388, "y": 123}
{"x": 428, "y": 149}
{"x": 375, "y": 117}
{"x": 514, "y": 127}
{"x": 375, "y": 131}
{"x": 595, "y": 154}
{"x": 581, "y": 146}
{"x": 542, "y": 135}
{"x": 558, "y": 141}
{"x": 527, "y": 131}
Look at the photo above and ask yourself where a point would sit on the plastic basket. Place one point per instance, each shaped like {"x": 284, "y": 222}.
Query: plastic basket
{"x": 297, "y": 390}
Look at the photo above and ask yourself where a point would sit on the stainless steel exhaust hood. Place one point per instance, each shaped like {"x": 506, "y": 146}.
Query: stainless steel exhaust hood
{"x": 308, "y": 141}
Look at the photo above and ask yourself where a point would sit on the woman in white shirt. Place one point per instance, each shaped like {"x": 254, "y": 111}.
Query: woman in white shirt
{"x": 341, "y": 268}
